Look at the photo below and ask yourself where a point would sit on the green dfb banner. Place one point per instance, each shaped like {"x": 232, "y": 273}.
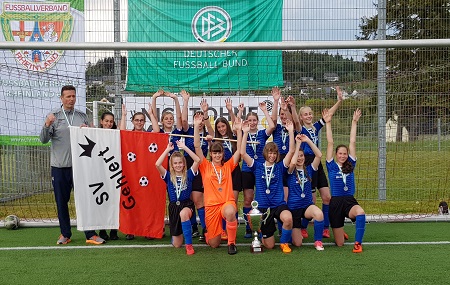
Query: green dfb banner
{"x": 204, "y": 21}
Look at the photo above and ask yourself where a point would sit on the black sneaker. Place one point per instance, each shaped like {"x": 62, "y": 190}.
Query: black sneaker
{"x": 195, "y": 234}
{"x": 103, "y": 235}
{"x": 113, "y": 235}
{"x": 232, "y": 249}
{"x": 202, "y": 238}
{"x": 129, "y": 237}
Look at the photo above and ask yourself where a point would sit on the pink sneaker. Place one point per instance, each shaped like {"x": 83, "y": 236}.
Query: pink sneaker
{"x": 326, "y": 233}
{"x": 318, "y": 245}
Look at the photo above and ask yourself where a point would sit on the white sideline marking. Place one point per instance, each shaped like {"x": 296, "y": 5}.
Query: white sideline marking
{"x": 68, "y": 247}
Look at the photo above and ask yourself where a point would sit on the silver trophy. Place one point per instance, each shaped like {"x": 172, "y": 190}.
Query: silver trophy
{"x": 254, "y": 218}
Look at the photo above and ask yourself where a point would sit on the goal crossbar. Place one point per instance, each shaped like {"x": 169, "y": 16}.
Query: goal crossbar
{"x": 294, "y": 45}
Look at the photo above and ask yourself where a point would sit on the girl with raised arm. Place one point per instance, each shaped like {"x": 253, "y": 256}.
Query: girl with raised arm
{"x": 218, "y": 188}
{"x": 254, "y": 150}
{"x": 138, "y": 119}
{"x": 286, "y": 112}
{"x": 205, "y": 131}
{"x": 342, "y": 181}
{"x": 179, "y": 187}
{"x": 319, "y": 180}
{"x": 300, "y": 201}
{"x": 168, "y": 123}
{"x": 269, "y": 191}
{"x": 224, "y": 131}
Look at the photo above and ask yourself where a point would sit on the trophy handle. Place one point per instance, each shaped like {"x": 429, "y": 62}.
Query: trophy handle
{"x": 267, "y": 213}
{"x": 245, "y": 220}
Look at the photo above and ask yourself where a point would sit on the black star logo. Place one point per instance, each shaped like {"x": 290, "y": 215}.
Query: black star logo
{"x": 87, "y": 147}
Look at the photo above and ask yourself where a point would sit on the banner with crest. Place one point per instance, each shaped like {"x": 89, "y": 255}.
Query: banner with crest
{"x": 31, "y": 79}
{"x": 204, "y": 21}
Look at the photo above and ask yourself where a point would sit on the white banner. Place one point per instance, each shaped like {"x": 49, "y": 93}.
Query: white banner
{"x": 216, "y": 107}
{"x": 97, "y": 168}
{"x": 31, "y": 80}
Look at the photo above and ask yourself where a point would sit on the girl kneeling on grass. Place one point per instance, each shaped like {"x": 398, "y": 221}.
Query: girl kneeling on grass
{"x": 342, "y": 181}
{"x": 179, "y": 188}
{"x": 300, "y": 200}
{"x": 269, "y": 188}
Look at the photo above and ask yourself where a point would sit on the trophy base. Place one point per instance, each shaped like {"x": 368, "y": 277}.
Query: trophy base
{"x": 256, "y": 249}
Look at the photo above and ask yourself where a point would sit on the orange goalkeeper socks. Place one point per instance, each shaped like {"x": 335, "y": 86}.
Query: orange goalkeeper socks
{"x": 231, "y": 230}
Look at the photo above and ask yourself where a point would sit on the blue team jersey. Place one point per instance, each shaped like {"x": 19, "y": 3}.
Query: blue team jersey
{"x": 189, "y": 142}
{"x": 173, "y": 139}
{"x": 336, "y": 178}
{"x": 295, "y": 199}
{"x": 228, "y": 149}
{"x": 313, "y": 135}
{"x": 276, "y": 196}
{"x": 281, "y": 138}
{"x": 186, "y": 186}
{"x": 261, "y": 137}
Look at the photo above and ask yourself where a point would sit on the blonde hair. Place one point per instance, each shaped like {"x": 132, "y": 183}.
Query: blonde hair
{"x": 173, "y": 177}
{"x": 300, "y": 111}
{"x": 165, "y": 113}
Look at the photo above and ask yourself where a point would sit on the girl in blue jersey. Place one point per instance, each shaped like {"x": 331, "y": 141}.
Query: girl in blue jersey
{"x": 342, "y": 181}
{"x": 269, "y": 188}
{"x": 287, "y": 111}
{"x": 197, "y": 185}
{"x": 280, "y": 134}
{"x": 319, "y": 180}
{"x": 300, "y": 201}
{"x": 168, "y": 123}
{"x": 179, "y": 188}
{"x": 255, "y": 151}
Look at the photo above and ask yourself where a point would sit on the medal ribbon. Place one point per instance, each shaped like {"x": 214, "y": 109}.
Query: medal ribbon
{"x": 67, "y": 119}
{"x": 344, "y": 177}
{"x": 179, "y": 186}
{"x": 313, "y": 136}
{"x": 228, "y": 144}
{"x": 284, "y": 136}
{"x": 253, "y": 140}
{"x": 268, "y": 175}
{"x": 218, "y": 174}
{"x": 301, "y": 181}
